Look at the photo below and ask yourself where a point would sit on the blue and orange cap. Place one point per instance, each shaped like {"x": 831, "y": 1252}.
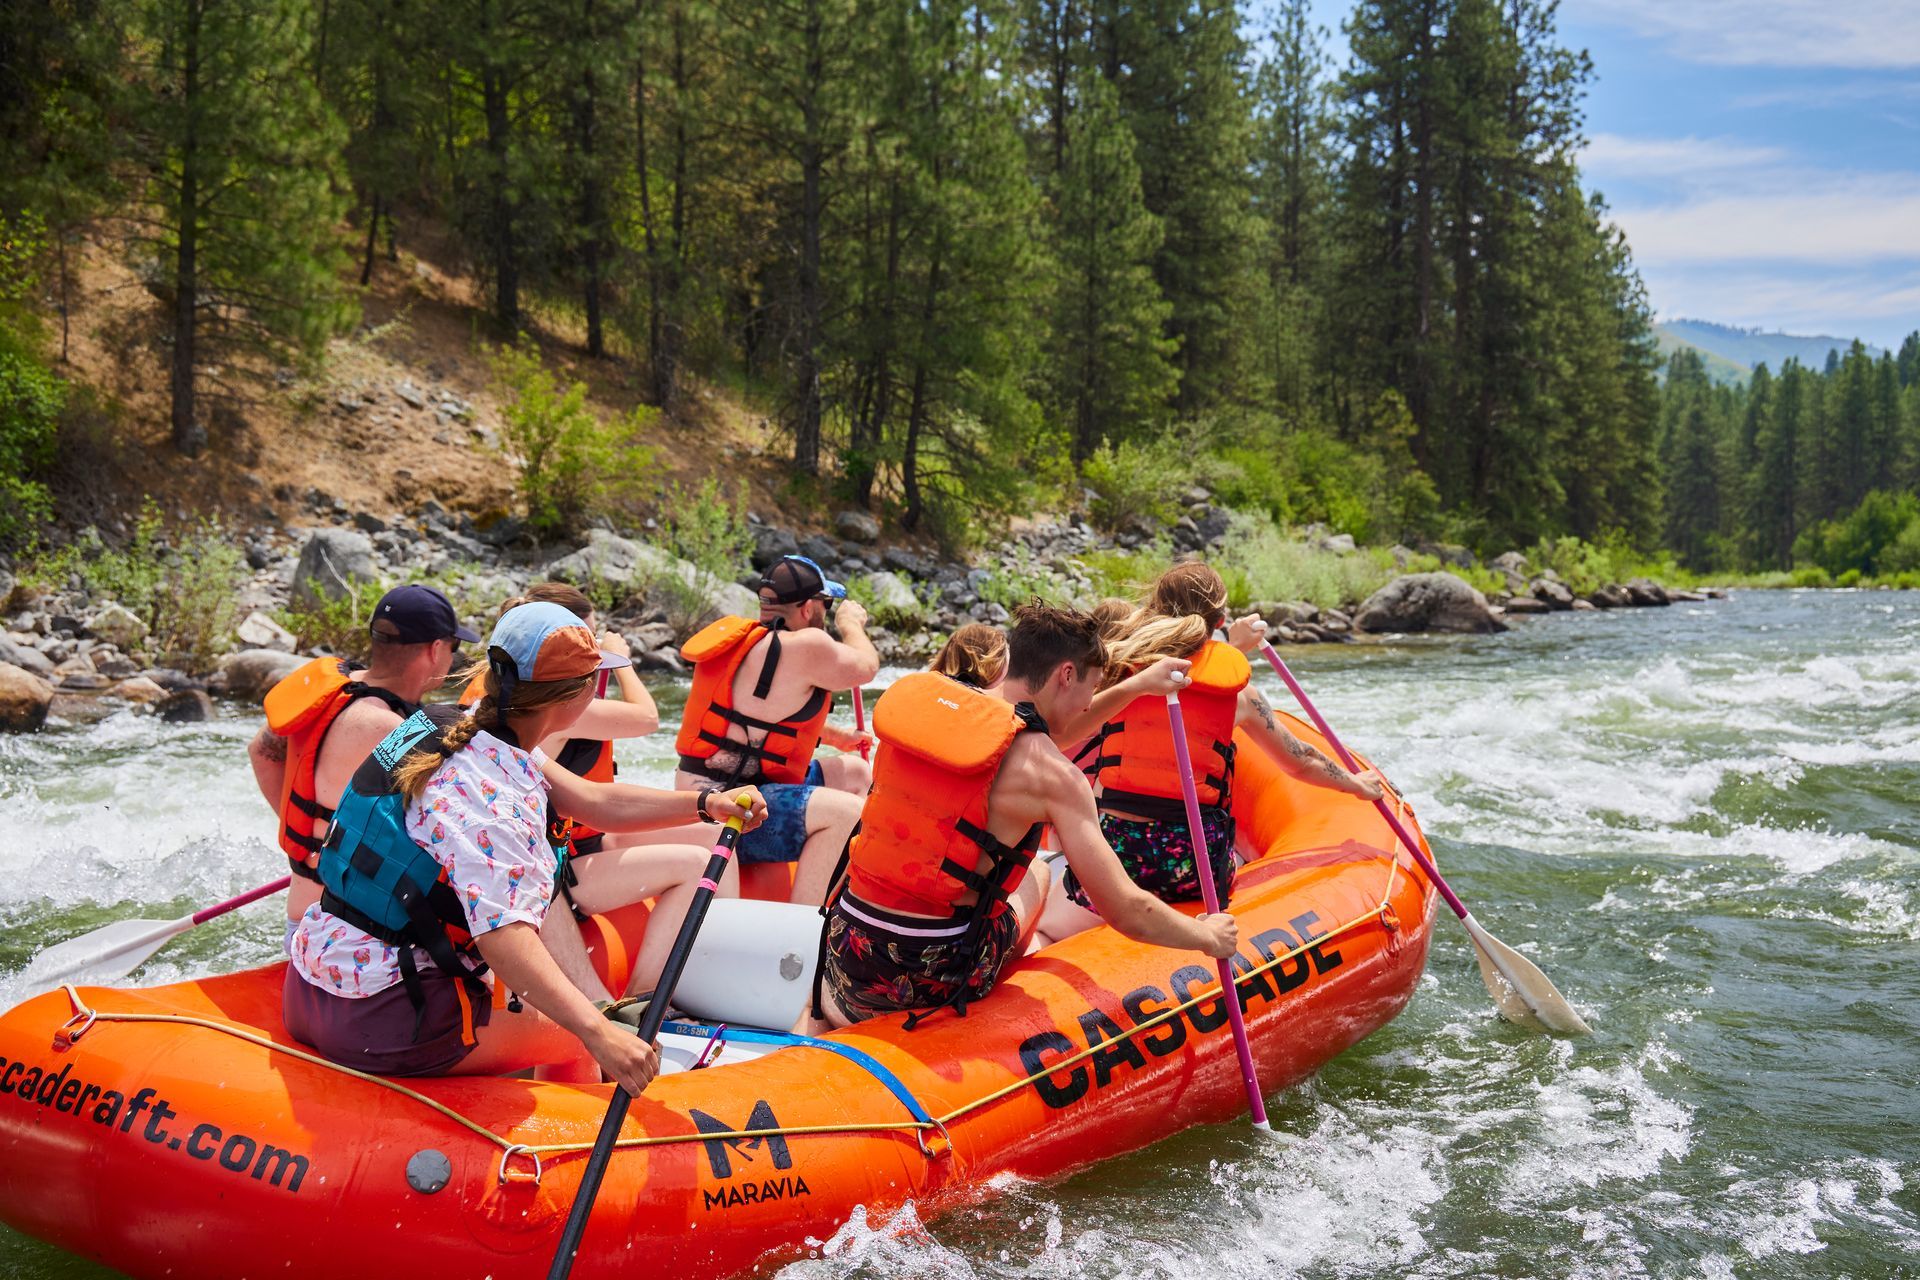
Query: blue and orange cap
{"x": 539, "y": 642}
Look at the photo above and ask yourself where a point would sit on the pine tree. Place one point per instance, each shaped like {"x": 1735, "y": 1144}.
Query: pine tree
{"x": 224, "y": 115}
{"x": 1112, "y": 370}
{"x": 1779, "y": 456}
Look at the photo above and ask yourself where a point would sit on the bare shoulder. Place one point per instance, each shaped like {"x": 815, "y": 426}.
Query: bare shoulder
{"x": 365, "y": 720}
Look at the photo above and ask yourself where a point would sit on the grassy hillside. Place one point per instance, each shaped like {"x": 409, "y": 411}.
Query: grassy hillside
{"x": 1732, "y": 353}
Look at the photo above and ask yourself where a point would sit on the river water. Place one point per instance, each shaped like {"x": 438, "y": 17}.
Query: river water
{"x": 1700, "y": 821}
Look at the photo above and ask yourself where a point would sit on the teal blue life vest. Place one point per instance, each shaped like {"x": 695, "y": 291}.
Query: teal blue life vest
{"x": 378, "y": 879}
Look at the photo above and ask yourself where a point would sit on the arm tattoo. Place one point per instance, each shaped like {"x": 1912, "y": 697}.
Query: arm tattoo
{"x": 1310, "y": 757}
{"x": 272, "y": 746}
{"x": 1266, "y": 713}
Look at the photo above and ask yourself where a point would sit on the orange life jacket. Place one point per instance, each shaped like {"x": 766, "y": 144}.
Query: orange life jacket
{"x": 1135, "y": 764}
{"x": 923, "y": 844}
{"x": 301, "y": 708}
{"x": 783, "y": 748}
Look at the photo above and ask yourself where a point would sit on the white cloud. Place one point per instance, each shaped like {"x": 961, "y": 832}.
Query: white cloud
{"x": 1618, "y": 154}
{"x": 1879, "y": 306}
{"x": 1807, "y": 217}
{"x": 1773, "y": 33}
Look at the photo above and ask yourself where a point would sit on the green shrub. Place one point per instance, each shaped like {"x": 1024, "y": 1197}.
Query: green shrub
{"x": 1851, "y": 578}
{"x": 1587, "y": 566}
{"x": 31, "y": 397}
{"x": 572, "y": 464}
{"x": 1126, "y": 574}
{"x": 1811, "y": 575}
{"x": 183, "y": 588}
{"x": 1859, "y": 541}
{"x": 1137, "y": 480}
{"x": 1011, "y": 586}
{"x": 1260, "y": 563}
{"x": 338, "y": 626}
{"x": 710, "y": 531}
{"x": 1902, "y": 555}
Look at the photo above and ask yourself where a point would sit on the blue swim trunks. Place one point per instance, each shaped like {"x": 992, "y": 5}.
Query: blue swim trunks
{"x": 779, "y": 838}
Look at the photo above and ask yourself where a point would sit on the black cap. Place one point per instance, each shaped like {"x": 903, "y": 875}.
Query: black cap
{"x": 416, "y": 614}
{"x": 796, "y": 579}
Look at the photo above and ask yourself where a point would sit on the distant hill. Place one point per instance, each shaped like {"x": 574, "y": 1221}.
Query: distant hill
{"x": 1732, "y": 353}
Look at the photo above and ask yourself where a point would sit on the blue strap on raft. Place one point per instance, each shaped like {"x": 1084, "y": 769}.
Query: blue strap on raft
{"x": 859, "y": 1058}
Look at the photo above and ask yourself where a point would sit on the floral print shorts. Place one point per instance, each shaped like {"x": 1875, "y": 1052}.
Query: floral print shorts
{"x": 876, "y": 963}
{"x": 1158, "y": 855}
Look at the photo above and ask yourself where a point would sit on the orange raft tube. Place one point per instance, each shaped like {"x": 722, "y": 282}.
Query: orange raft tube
{"x": 178, "y": 1133}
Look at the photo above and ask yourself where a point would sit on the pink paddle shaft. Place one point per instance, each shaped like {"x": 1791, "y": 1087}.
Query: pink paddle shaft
{"x": 1210, "y": 896}
{"x": 1353, "y": 766}
{"x": 860, "y": 720}
{"x": 234, "y": 904}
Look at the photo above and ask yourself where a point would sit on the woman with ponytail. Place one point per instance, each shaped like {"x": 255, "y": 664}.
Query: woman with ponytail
{"x": 452, "y": 807}
{"x": 1131, "y": 758}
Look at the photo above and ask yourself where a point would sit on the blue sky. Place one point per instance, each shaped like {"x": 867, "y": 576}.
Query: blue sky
{"x": 1762, "y": 155}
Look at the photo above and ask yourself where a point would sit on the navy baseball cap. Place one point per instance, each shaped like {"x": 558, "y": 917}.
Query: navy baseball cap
{"x": 416, "y": 614}
{"x": 796, "y": 579}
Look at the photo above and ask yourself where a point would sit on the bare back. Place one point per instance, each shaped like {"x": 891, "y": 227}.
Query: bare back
{"x": 812, "y": 667}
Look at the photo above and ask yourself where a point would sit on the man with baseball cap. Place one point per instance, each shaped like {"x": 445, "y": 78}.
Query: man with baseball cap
{"x": 762, "y": 691}
{"x": 325, "y": 717}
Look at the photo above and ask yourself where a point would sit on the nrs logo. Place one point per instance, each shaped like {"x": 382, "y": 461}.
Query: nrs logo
{"x": 943, "y": 702}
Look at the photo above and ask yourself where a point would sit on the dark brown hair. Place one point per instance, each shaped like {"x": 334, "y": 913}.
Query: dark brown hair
{"x": 1044, "y": 636}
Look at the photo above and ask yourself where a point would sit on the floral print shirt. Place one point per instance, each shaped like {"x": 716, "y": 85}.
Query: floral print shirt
{"x": 483, "y": 817}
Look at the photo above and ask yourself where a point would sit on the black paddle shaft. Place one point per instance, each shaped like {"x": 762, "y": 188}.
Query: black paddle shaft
{"x": 656, "y": 1013}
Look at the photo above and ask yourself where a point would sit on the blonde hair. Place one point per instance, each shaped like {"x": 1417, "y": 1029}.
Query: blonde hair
{"x": 487, "y": 714}
{"x": 1148, "y": 637}
{"x": 1112, "y": 616}
{"x": 1189, "y": 589}
{"x": 976, "y": 654}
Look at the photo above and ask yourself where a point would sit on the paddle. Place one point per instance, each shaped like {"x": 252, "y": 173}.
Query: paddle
{"x": 1523, "y": 993}
{"x": 860, "y": 721}
{"x": 116, "y": 950}
{"x": 650, "y": 1021}
{"x": 1210, "y": 896}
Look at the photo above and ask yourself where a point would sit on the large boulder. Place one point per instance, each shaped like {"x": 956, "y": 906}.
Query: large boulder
{"x": 258, "y": 630}
{"x": 640, "y": 568}
{"x": 188, "y": 706}
{"x": 1646, "y": 593}
{"x": 769, "y": 544}
{"x": 1508, "y": 562}
{"x": 1611, "y": 597}
{"x": 26, "y": 656}
{"x": 1284, "y": 613}
{"x": 1552, "y": 593}
{"x": 857, "y": 526}
{"x": 119, "y": 626}
{"x": 248, "y": 674}
{"x": 890, "y": 596}
{"x": 24, "y": 699}
{"x": 1527, "y": 604}
{"x": 333, "y": 564}
{"x": 1428, "y": 602}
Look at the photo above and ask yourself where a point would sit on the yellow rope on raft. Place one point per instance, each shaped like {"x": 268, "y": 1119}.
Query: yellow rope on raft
{"x": 1382, "y": 910}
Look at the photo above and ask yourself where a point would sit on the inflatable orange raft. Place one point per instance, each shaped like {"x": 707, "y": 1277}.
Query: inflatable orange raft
{"x": 178, "y": 1130}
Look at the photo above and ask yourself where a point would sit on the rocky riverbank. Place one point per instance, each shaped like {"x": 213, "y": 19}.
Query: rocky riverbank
{"x": 70, "y": 651}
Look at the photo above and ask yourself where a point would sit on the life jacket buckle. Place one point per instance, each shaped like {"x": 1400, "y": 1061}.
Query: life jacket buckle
{"x": 508, "y": 1175}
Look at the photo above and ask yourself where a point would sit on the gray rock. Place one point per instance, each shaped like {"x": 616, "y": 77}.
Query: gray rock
{"x": 332, "y": 565}
{"x": 1334, "y": 620}
{"x": 461, "y": 545}
{"x": 139, "y": 689}
{"x": 1198, "y": 494}
{"x": 1646, "y": 593}
{"x": 857, "y": 526}
{"x": 1509, "y": 562}
{"x": 118, "y": 626}
{"x": 110, "y": 662}
{"x": 1339, "y": 543}
{"x": 636, "y": 568}
{"x": 504, "y": 532}
{"x": 1611, "y": 597}
{"x": 1554, "y": 594}
{"x": 1428, "y": 602}
{"x": 901, "y": 560}
{"x": 170, "y": 679}
{"x": 769, "y": 544}
{"x": 259, "y": 631}
{"x": 13, "y": 653}
{"x": 1286, "y": 613}
{"x": 1583, "y": 606}
{"x": 1213, "y": 526}
{"x": 1448, "y": 553}
{"x": 24, "y": 699}
{"x": 188, "y": 706}
{"x": 1528, "y": 604}
{"x": 367, "y": 522}
{"x": 891, "y": 597}
{"x": 1687, "y": 597}
{"x": 414, "y": 397}
{"x": 249, "y": 673}
{"x": 665, "y": 659}
{"x": 649, "y": 635}
{"x": 88, "y": 681}
{"x": 820, "y": 550}
{"x": 1401, "y": 555}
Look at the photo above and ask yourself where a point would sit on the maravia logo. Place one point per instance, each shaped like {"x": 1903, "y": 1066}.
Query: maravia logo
{"x": 722, "y": 1151}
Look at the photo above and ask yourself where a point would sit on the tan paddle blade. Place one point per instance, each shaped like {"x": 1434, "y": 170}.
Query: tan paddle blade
{"x": 1523, "y": 993}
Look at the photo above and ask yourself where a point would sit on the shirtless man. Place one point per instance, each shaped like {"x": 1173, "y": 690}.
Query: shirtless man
{"x": 326, "y": 717}
{"x": 907, "y": 932}
{"x": 761, "y": 694}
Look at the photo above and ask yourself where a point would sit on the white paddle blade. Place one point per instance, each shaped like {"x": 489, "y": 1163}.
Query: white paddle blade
{"x": 1523, "y": 993}
{"x": 109, "y": 952}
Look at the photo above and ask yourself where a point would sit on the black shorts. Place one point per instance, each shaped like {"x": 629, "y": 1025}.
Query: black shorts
{"x": 376, "y": 1033}
{"x": 880, "y": 961}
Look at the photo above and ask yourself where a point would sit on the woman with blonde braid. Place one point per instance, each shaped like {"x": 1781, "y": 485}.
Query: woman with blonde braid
{"x": 438, "y": 869}
{"x": 1142, "y": 812}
